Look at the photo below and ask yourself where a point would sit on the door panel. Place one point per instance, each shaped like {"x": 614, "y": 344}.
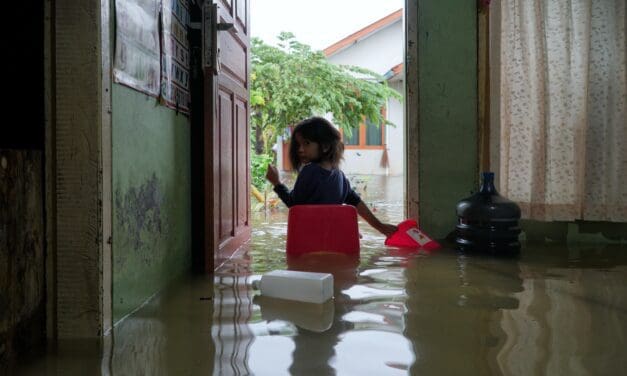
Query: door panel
{"x": 225, "y": 183}
{"x": 233, "y": 58}
{"x": 242, "y": 15}
{"x": 243, "y": 181}
{"x": 226, "y": 126}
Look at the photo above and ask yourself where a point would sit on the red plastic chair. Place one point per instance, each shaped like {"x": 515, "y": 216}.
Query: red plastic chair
{"x": 322, "y": 228}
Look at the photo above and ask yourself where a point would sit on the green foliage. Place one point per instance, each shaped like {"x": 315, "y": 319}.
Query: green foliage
{"x": 259, "y": 165}
{"x": 292, "y": 82}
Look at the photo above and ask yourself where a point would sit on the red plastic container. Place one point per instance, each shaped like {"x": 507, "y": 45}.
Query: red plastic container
{"x": 409, "y": 235}
{"x": 322, "y": 228}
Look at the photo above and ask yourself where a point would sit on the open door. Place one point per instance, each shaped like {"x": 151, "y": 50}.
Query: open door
{"x": 226, "y": 66}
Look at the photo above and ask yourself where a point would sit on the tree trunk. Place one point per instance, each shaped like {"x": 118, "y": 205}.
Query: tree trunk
{"x": 258, "y": 140}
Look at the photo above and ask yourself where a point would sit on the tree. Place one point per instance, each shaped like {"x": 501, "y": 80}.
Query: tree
{"x": 291, "y": 82}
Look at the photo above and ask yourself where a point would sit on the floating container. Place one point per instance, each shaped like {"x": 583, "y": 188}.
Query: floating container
{"x": 409, "y": 235}
{"x": 488, "y": 222}
{"x": 295, "y": 285}
{"x": 322, "y": 228}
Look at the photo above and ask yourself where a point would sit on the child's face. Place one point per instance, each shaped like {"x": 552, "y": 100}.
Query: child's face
{"x": 308, "y": 151}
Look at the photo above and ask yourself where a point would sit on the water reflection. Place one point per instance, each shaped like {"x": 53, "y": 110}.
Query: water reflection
{"x": 572, "y": 314}
{"x": 554, "y": 310}
{"x": 451, "y": 305}
{"x": 314, "y": 353}
{"x": 231, "y": 333}
{"x": 309, "y": 316}
{"x": 170, "y": 335}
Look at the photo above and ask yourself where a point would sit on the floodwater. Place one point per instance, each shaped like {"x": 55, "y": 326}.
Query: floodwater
{"x": 556, "y": 310}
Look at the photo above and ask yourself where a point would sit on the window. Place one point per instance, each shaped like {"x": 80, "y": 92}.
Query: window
{"x": 367, "y": 136}
{"x": 353, "y": 140}
{"x": 374, "y": 134}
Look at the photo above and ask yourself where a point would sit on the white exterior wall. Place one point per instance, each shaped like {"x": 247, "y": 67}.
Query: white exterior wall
{"x": 378, "y": 52}
{"x": 363, "y": 161}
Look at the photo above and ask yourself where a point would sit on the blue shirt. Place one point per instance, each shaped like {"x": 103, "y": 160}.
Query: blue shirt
{"x": 317, "y": 185}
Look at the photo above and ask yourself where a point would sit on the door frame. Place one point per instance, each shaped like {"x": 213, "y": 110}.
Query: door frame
{"x": 78, "y": 168}
{"x": 411, "y": 112}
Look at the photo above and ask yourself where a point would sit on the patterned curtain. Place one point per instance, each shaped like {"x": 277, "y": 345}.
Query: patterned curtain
{"x": 562, "y": 108}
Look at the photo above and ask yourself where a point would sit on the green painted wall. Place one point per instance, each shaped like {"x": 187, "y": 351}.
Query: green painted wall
{"x": 447, "y": 74}
{"x": 151, "y": 198}
{"x": 574, "y": 232}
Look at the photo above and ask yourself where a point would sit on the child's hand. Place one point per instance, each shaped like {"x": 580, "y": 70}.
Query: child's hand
{"x": 272, "y": 175}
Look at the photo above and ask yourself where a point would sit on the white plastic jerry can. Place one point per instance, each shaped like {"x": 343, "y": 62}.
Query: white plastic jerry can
{"x": 294, "y": 285}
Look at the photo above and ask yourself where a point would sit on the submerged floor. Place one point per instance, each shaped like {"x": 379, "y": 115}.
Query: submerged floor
{"x": 553, "y": 310}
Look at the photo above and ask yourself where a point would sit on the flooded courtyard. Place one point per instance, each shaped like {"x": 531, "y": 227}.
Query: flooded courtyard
{"x": 554, "y": 310}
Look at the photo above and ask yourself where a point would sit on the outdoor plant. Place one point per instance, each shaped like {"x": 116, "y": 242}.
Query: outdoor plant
{"x": 292, "y": 82}
{"x": 258, "y": 165}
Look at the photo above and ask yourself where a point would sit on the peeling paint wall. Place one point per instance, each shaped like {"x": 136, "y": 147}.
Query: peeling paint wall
{"x": 22, "y": 304}
{"x": 22, "y": 231}
{"x": 151, "y": 242}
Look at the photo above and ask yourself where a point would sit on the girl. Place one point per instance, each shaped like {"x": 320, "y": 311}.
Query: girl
{"x": 315, "y": 151}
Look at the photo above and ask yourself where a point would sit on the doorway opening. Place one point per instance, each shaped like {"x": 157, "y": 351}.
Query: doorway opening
{"x": 374, "y": 155}
{"x": 375, "y": 138}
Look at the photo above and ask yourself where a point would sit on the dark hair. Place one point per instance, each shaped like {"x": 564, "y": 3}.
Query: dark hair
{"x": 322, "y": 132}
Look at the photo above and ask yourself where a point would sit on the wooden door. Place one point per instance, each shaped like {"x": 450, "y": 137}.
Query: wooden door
{"x": 226, "y": 135}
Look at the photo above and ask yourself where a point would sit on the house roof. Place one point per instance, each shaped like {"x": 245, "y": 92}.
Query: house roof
{"x": 394, "y": 71}
{"x": 363, "y": 33}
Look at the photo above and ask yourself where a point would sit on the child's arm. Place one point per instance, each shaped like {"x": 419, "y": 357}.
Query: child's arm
{"x": 384, "y": 228}
{"x": 272, "y": 174}
{"x": 302, "y": 187}
{"x": 354, "y": 200}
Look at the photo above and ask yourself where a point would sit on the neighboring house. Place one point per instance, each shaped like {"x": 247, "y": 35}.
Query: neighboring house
{"x": 378, "y": 47}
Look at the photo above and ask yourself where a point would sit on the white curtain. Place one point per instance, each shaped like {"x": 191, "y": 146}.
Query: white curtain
{"x": 563, "y": 136}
